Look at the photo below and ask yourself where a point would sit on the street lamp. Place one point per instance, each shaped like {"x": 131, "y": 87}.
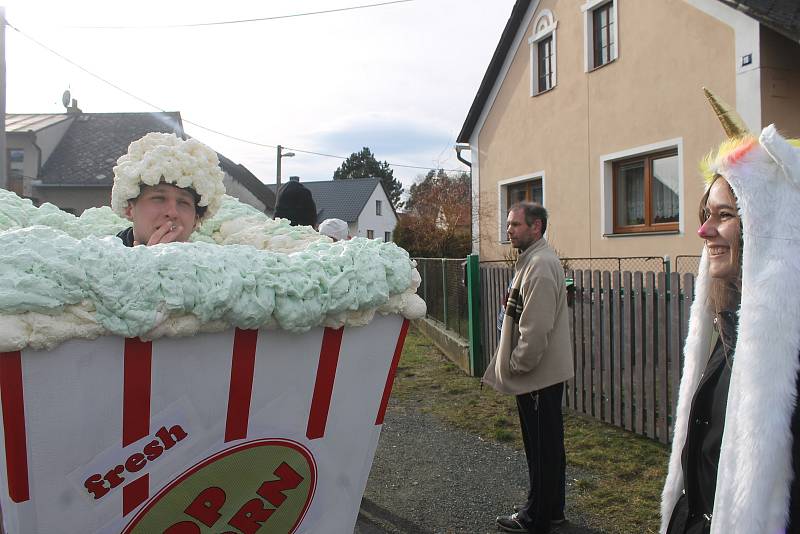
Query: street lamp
{"x": 281, "y": 155}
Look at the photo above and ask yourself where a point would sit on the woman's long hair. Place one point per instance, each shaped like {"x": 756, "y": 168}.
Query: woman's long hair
{"x": 725, "y": 295}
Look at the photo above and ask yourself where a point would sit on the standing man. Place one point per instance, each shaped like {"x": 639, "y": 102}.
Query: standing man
{"x": 533, "y": 359}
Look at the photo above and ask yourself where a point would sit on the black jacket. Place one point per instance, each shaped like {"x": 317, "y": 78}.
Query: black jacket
{"x": 127, "y": 236}
{"x": 693, "y": 513}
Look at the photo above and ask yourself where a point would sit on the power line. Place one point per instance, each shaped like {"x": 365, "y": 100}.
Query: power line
{"x": 90, "y": 73}
{"x": 240, "y": 21}
{"x": 198, "y": 125}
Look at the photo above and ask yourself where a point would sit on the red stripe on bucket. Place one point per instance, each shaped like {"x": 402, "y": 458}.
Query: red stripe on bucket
{"x": 243, "y": 364}
{"x": 13, "y": 406}
{"x": 323, "y": 388}
{"x": 387, "y": 390}
{"x": 137, "y": 369}
{"x": 135, "y": 494}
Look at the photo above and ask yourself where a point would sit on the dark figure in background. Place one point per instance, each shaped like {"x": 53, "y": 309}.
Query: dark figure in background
{"x": 296, "y": 204}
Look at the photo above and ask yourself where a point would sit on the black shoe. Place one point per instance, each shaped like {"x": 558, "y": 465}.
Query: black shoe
{"x": 511, "y": 523}
{"x": 555, "y": 521}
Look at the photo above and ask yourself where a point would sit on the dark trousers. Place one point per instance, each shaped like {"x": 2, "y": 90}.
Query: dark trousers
{"x": 543, "y": 435}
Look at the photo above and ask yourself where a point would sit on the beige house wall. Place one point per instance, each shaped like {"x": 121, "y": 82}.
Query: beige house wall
{"x": 24, "y": 141}
{"x": 74, "y": 199}
{"x": 780, "y": 82}
{"x": 47, "y": 139}
{"x": 237, "y": 190}
{"x": 649, "y": 96}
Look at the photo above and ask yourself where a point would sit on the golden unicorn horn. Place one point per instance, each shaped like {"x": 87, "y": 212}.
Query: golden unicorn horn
{"x": 732, "y": 123}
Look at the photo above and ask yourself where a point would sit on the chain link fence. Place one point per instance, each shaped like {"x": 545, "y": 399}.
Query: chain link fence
{"x": 444, "y": 290}
{"x": 631, "y": 263}
{"x": 687, "y": 264}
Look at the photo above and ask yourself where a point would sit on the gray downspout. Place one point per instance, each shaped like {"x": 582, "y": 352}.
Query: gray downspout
{"x": 29, "y": 192}
{"x": 459, "y": 147}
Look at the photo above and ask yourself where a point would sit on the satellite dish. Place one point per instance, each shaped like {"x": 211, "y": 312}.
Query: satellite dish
{"x": 65, "y": 98}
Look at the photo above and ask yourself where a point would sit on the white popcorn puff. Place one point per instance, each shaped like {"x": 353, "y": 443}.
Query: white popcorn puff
{"x": 66, "y": 277}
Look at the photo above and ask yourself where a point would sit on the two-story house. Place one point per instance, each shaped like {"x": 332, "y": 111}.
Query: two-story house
{"x": 595, "y": 108}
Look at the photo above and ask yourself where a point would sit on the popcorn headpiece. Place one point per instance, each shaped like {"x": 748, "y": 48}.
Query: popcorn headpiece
{"x": 161, "y": 157}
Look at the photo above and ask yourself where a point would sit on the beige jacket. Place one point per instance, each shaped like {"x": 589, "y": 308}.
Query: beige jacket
{"x": 535, "y": 352}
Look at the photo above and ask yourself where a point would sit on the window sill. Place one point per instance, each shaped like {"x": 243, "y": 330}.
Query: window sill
{"x": 644, "y": 234}
{"x": 543, "y": 92}
{"x": 593, "y": 69}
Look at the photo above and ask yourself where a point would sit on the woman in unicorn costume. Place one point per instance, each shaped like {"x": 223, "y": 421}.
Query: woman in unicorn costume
{"x": 736, "y": 449}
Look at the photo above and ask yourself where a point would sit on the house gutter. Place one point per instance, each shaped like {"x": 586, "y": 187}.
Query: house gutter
{"x": 29, "y": 190}
{"x": 32, "y": 136}
{"x": 459, "y": 147}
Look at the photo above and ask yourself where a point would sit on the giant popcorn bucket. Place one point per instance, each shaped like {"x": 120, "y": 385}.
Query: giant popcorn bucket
{"x": 240, "y": 431}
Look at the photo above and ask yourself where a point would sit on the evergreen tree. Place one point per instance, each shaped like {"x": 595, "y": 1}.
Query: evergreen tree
{"x": 364, "y": 165}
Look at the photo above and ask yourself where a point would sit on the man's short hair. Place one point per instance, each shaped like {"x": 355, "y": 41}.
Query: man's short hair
{"x": 533, "y": 212}
{"x": 198, "y": 209}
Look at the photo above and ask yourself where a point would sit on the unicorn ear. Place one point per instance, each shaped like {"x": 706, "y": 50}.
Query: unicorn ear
{"x": 786, "y": 156}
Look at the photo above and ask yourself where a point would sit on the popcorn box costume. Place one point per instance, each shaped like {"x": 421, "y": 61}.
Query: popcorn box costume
{"x": 191, "y": 387}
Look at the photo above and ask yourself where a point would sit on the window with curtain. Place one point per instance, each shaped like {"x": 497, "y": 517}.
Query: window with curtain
{"x": 646, "y": 193}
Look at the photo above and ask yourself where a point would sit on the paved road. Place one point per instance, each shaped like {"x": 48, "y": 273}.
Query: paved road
{"x": 428, "y": 478}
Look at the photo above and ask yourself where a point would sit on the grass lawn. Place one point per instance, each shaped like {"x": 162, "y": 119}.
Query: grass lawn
{"x": 622, "y": 474}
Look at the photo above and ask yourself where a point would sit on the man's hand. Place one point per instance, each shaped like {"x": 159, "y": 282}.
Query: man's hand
{"x": 166, "y": 233}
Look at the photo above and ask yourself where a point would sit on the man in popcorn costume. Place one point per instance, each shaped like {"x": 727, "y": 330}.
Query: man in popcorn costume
{"x": 735, "y": 453}
{"x": 165, "y": 186}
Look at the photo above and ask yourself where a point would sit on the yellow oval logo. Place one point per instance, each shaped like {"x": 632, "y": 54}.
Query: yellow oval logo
{"x": 264, "y": 484}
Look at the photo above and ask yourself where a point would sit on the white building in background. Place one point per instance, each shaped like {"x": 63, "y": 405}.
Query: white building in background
{"x": 361, "y": 202}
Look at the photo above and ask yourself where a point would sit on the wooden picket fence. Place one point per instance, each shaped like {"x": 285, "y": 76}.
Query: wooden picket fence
{"x": 628, "y": 332}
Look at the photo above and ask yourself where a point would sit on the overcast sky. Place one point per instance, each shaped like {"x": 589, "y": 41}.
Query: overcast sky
{"x": 397, "y": 78}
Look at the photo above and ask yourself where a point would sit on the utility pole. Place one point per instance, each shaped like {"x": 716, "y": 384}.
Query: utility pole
{"x": 3, "y": 155}
{"x": 281, "y": 155}
{"x": 278, "y": 176}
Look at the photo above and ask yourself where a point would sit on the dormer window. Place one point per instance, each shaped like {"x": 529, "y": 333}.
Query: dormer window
{"x": 600, "y": 24}
{"x": 543, "y": 53}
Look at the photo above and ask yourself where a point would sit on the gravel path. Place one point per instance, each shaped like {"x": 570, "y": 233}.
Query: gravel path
{"x": 429, "y": 478}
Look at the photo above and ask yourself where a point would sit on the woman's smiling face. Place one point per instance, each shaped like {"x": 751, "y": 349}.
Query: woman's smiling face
{"x": 721, "y": 232}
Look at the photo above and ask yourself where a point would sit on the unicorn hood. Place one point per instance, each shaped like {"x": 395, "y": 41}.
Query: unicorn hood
{"x": 755, "y": 468}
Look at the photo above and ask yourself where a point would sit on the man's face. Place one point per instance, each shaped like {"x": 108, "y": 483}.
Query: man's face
{"x": 521, "y": 235}
{"x": 162, "y": 213}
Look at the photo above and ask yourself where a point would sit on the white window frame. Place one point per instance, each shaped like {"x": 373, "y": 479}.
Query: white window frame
{"x": 502, "y": 200}
{"x": 378, "y": 208}
{"x": 607, "y": 186}
{"x": 544, "y": 26}
{"x": 387, "y": 237}
{"x": 10, "y": 162}
{"x": 588, "y": 40}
